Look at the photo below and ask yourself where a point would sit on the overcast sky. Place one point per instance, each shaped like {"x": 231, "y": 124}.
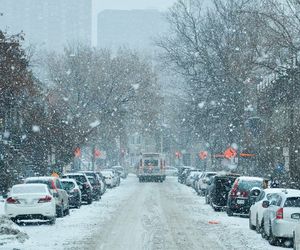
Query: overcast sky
{"x": 133, "y": 4}
{"x": 99, "y": 5}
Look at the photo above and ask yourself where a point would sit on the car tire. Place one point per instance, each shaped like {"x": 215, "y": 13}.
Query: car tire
{"x": 272, "y": 239}
{"x": 217, "y": 209}
{"x": 52, "y": 220}
{"x": 258, "y": 227}
{"x": 206, "y": 200}
{"x": 60, "y": 212}
{"x": 67, "y": 211}
{"x": 78, "y": 205}
{"x": 229, "y": 212}
{"x": 262, "y": 231}
{"x": 90, "y": 200}
{"x": 252, "y": 227}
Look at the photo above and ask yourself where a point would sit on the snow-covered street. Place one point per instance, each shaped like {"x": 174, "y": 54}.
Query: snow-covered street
{"x": 144, "y": 216}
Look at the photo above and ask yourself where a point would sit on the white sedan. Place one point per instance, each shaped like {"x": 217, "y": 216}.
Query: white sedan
{"x": 257, "y": 209}
{"x": 282, "y": 216}
{"x": 30, "y": 201}
{"x": 110, "y": 178}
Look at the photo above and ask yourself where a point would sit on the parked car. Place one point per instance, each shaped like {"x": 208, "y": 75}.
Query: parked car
{"x": 122, "y": 172}
{"x": 171, "y": 171}
{"x": 187, "y": 172}
{"x": 84, "y": 185}
{"x": 182, "y": 172}
{"x": 257, "y": 209}
{"x": 95, "y": 182}
{"x": 60, "y": 195}
{"x": 192, "y": 177}
{"x": 238, "y": 201}
{"x": 30, "y": 201}
{"x": 281, "y": 216}
{"x": 73, "y": 190}
{"x": 111, "y": 178}
{"x": 218, "y": 190}
{"x": 102, "y": 183}
{"x": 202, "y": 183}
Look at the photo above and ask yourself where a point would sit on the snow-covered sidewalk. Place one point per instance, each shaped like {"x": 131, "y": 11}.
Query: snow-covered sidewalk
{"x": 74, "y": 231}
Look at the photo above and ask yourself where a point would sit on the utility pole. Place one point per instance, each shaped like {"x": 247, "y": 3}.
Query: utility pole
{"x": 93, "y": 157}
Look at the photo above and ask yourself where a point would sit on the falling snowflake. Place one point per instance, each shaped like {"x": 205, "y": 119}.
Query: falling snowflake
{"x": 36, "y": 128}
{"x": 201, "y": 105}
{"x": 95, "y": 124}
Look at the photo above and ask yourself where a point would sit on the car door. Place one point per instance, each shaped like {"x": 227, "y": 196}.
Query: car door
{"x": 275, "y": 202}
{"x": 291, "y": 208}
{"x": 62, "y": 193}
{"x": 255, "y": 207}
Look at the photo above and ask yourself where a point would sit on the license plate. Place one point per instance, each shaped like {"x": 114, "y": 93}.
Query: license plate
{"x": 240, "y": 202}
{"x": 295, "y": 216}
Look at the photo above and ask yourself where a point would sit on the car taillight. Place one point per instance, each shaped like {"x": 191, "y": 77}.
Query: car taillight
{"x": 11, "y": 200}
{"x": 279, "y": 214}
{"x": 244, "y": 194}
{"x": 234, "y": 191}
{"x": 47, "y": 198}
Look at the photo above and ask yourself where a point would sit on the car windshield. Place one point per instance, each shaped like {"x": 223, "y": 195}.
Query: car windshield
{"x": 68, "y": 185}
{"x": 248, "y": 185}
{"x": 151, "y": 162}
{"x": 92, "y": 180}
{"x": 79, "y": 178}
{"x": 30, "y": 189}
{"x": 292, "y": 202}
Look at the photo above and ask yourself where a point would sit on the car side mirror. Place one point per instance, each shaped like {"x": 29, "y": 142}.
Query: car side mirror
{"x": 5, "y": 196}
{"x": 265, "y": 204}
{"x": 55, "y": 194}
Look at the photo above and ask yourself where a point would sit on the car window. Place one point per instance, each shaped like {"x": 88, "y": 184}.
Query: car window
{"x": 260, "y": 196}
{"x": 68, "y": 185}
{"x": 248, "y": 185}
{"x": 57, "y": 184}
{"x": 292, "y": 202}
{"x": 274, "y": 199}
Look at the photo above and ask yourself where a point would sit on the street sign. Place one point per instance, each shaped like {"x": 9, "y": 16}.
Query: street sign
{"x": 77, "y": 152}
{"x": 230, "y": 153}
{"x": 203, "y": 155}
{"x": 97, "y": 153}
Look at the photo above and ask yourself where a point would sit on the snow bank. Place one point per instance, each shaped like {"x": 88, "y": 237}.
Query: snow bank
{"x": 9, "y": 232}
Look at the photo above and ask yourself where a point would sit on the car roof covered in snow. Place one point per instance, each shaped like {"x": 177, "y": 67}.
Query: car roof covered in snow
{"x": 250, "y": 178}
{"x": 31, "y": 185}
{"x": 44, "y": 178}
{"x": 75, "y": 174}
{"x": 290, "y": 192}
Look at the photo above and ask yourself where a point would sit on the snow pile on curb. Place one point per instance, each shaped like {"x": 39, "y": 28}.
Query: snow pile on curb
{"x": 10, "y": 232}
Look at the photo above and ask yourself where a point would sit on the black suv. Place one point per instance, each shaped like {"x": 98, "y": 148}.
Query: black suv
{"x": 84, "y": 185}
{"x": 95, "y": 181}
{"x": 239, "y": 201}
{"x": 218, "y": 189}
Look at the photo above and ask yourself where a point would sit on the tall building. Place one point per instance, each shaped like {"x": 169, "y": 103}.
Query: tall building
{"x": 48, "y": 24}
{"x": 135, "y": 29}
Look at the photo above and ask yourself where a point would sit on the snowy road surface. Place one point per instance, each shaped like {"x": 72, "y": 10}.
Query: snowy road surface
{"x": 144, "y": 216}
